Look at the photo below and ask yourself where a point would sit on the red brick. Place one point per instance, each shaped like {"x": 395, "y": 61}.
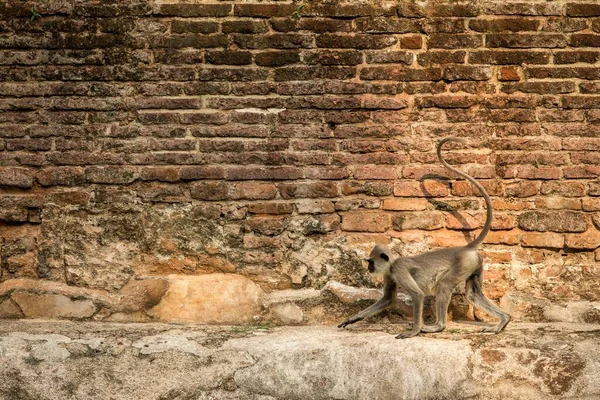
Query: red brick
{"x": 308, "y": 189}
{"x": 254, "y": 191}
{"x": 271, "y": 225}
{"x": 276, "y": 208}
{"x": 67, "y": 176}
{"x": 464, "y": 221}
{"x": 508, "y": 74}
{"x": 523, "y": 189}
{"x": 163, "y": 174}
{"x": 366, "y": 221}
{"x": 429, "y": 188}
{"x": 376, "y": 172}
{"x": 405, "y": 204}
{"x": 111, "y": 174}
{"x": 210, "y": 190}
{"x": 588, "y": 240}
{"x": 370, "y": 188}
{"x": 315, "y": 206}
{"x": 411, "y": 42}
{"x": 424, "y": 221}
{"x": 557, "y": 203}
{"x": 71, "y": 197}
{"x": 542, "y": 240}
{"x": 564, "y": 189}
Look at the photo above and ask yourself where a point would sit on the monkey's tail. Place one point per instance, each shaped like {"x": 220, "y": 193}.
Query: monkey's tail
{"x": 488, "y": 203}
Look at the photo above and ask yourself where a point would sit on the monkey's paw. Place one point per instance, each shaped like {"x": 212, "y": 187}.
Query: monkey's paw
{"x": 407, "y": 335}
{"x": 344, "y": 324}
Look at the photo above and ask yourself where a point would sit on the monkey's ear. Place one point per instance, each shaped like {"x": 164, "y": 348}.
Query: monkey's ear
{"x": 385, "y": 257}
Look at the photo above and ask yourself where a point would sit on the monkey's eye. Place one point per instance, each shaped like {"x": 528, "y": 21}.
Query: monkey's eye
{"x": 385, "y": 257}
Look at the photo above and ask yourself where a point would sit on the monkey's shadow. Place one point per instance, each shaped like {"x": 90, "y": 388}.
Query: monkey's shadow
{"x": 441, "y": 205}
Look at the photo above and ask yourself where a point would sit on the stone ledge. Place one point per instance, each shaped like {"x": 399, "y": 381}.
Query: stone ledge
{"x": 88, "y": 360}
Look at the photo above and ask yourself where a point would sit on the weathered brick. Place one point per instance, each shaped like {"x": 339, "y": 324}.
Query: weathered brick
{"x": 516, "y": 57}
{"x": 313, "y": 72}
{"x": 67, "y": 176}
{"x": 440, "y": 57}
{"x": 163, "y": 174}
{"x": 330, "y": 57}
{"x": 194, "y": 10}
{"x": 314, "y": 206}
{"x": 16, "y": 177}
{"x": 543, "y": 240}
{"x": 578, "y": 56}
{"x": 464, "y": 72}
{"x": 426, "y": 188}
{"x": 268, "y": 225}
{"x": 276, "y": 208}
{"x": 356, "y": 41}
{"x": 401, "y": 74}
{"x": 557, "y": 203}
{"x": 308, "y": 190}
{"x": 522, "y": 8}
{"x": 588, "y": 240}
{"x": 370, "y": 188}
{"x": 69, "y": 197}
{"x": 405, "y": 204}
{"x": 244, "y": 26}
{"x": 583, "y": 9}
{"x": 228, "y": 57}
{"x": 523, "y": 40}
{"x": 387, "y": 25}
{"x": 273, "y": 41}
{"x": 504, "y": 24}
{"x": 111, "y": 174}
{"x": 254, "y": 191}
{"x": 212, "y": 190}
{"x": 523, "y": 189}
{"x": 264, "y": 10}
{"x": 553, "y": 221}
{"x": 366, "y": 221}
{"x": 454, "y": 41}
{"x": 276, "y": 58}
{"x": 556, "y": 87}
{"x": 424, "y": 221}
{"x": 179, "y": 26}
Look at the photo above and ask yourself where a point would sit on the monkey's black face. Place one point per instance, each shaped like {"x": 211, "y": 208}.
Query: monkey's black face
{"x": 371, "y": 266}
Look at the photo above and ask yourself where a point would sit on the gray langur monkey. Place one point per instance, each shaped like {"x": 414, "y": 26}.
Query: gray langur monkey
{"x": 435, "y": 273}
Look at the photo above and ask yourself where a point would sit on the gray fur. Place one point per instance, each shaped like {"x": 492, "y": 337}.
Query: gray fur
{"x": 435, "y": 273}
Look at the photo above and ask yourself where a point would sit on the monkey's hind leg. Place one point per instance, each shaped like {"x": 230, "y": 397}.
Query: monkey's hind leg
{"x": 476, "y": 297}
{"x": 442, "y": 301}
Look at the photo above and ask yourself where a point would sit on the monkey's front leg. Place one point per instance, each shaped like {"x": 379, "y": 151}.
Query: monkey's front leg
{"x": 374, "y": 309}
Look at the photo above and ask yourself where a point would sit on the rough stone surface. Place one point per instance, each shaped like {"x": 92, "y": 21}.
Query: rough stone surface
{"x": 52, "y": 306}
{"x": 279, "y": 141}
{"x": 50, "y": 360}
{"x": 214, "y": 298}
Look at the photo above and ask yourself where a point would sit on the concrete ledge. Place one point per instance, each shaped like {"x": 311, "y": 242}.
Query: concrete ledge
{"x": 86, "y": 360}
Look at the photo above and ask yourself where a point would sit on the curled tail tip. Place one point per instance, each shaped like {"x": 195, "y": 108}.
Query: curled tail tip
{"x": 452, "y": 139}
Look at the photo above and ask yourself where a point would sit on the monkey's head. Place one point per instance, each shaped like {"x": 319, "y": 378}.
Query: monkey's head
{"x": 379, "y": 260}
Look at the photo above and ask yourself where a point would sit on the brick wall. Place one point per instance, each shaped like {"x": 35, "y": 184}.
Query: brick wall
{"x": 147, "y": 148}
